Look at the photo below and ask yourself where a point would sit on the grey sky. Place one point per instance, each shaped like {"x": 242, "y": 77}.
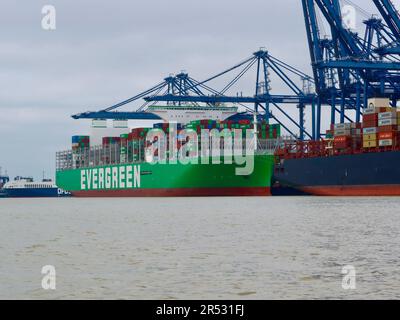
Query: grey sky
{"x": 105, "y": 51}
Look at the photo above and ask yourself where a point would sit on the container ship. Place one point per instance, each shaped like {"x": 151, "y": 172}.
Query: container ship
{"x": 119, "y": 166}
{"x": 354, "y": 159}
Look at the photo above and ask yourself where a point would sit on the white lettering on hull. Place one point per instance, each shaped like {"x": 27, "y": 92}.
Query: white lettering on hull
{"x": 122, "y": 177}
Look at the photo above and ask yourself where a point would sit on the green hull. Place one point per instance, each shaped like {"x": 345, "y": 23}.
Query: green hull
{"x": 146, "y": 179}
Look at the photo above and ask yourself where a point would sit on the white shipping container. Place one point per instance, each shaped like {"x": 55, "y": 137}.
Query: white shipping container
{"x": 378, "y": 103}
{"x": 370, "y": 111}
{"x": 342, "y": 126}
{"x": 342, "y": 132}
{"x": 386, "y": 143}
{"x": 370, "y": 130}
{"x": 387, "y": 115}
{"x": 387, "y": 122}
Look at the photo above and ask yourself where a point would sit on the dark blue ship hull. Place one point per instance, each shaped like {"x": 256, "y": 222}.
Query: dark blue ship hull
{"x": 366, "y": 174}
{"x": 35, "y": 193}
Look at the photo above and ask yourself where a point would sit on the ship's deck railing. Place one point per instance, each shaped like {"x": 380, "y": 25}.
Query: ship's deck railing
{"x": 135, "y": 153}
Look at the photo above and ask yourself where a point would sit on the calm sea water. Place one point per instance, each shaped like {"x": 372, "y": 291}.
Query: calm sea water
{"x": 195, "y": 248}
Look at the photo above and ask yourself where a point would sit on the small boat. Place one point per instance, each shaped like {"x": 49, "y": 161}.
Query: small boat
{"x": 26, "y": 187}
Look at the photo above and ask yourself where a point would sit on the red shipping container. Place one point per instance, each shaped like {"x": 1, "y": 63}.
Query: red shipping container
{"x": 387, "y": 128}
{"x": 370, "y": 117}
{"x": 342, "y": 142}
{"x": 342, "y": 138}
{"x": 342, "y": 146}
{"x": 370, "y": 124}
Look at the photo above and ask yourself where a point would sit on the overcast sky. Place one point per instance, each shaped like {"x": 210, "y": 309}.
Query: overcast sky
{"x": 105, "y": 51}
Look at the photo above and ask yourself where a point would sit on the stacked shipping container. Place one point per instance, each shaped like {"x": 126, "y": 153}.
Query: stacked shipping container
{"x": 111, "y": 140}
{"x": 380, "y": 127}
{"x": 370, "y": 128}
{"x": 379, "y": 131}
{"x": 131, "y": 147}
{"x": 346, "y": 136}
{"x": 387, "y": 128}
{"x": 79, "y": 145}
{"x": 80, "y": 142}
{"x": 124, "y": 147}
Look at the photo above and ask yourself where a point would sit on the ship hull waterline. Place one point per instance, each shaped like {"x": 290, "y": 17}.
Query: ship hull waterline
{"x": 179, "y": 192}
{"x": 365, "y": 174}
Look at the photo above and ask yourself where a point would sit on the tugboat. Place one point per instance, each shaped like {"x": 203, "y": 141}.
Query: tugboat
{"x": 26, "y": 187}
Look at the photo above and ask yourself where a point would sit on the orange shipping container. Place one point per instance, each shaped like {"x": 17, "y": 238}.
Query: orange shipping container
{"x": 387, "y": 135}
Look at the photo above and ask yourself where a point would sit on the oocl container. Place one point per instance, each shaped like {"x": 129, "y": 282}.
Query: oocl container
{"x": 387, "y": 122}
{"x": 370, "y": 130}
{"x": 342, "y": 126}
{"x": 342, "y": 132}
{"x": 387, "y": 115}
{"x": 386, "y": 143}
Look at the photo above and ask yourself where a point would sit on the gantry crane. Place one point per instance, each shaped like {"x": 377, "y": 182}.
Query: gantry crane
{"x": 183, "y": 89}
{"x": 349, "y": 69}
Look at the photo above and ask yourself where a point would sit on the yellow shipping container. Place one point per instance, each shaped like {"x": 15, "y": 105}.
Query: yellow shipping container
{"x": 370, "y": 144}
{"x": 370, "y": 137}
